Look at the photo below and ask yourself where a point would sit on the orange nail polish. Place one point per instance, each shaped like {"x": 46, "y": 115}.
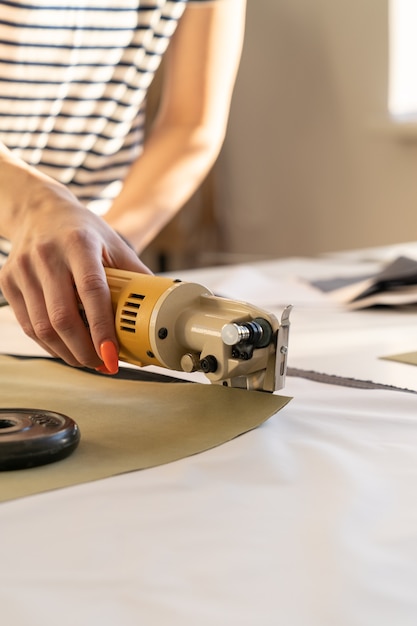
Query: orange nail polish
{"x": 110, "y": 356}
{"x": 102, "y": 369}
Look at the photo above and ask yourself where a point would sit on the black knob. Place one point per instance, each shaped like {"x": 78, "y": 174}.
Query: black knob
{"x": 208, "y": 364}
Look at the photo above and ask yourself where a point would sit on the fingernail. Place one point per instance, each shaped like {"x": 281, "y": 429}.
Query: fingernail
{"x": 102, "y": 369}
{"x": 110, "y": 357}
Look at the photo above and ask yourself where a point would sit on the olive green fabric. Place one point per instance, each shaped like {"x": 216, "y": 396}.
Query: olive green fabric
{"x": 406, "y": 357}
{"x": 125, "y": 425}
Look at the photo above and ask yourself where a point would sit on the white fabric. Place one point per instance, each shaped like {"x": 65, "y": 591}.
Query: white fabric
{"x": 310, "y": 520}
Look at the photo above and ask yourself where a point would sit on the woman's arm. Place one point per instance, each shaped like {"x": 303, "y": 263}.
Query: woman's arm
{"x": 199, "y": 75}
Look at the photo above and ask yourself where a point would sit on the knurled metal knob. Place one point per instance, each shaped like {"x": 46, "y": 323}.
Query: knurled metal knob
{"x": 233, "y": 334}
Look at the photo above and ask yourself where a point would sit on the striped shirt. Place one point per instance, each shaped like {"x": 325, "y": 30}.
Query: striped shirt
{"x": 73, "y": 84}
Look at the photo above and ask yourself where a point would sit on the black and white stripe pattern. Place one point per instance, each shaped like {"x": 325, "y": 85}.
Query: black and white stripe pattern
{"x": 73, "y": 82}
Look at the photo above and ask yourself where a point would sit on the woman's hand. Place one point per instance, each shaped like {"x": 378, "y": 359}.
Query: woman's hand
{"x": 59, "y": 251}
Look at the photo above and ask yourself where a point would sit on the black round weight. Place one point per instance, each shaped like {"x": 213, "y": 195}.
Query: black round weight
{"x": 31, "y": 437}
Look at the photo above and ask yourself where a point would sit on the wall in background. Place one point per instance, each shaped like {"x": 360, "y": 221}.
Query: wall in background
{"x": 311, "y": 162}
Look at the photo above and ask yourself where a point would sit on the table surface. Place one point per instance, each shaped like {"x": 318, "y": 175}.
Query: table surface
{"x": 309, "y": 520}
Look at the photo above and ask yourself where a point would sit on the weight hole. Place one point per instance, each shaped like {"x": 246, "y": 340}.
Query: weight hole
{"x": 6, "y": 423}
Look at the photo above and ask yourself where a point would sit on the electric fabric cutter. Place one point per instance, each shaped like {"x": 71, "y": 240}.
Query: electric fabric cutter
{"x": 183, "y": 326}
{"x": 169, "y": 323}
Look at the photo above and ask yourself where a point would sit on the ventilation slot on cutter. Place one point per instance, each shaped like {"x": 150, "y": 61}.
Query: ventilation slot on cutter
{"x": 130, "y": 312}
